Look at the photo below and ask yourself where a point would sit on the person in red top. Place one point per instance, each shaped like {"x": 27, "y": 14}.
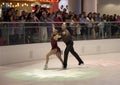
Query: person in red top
{"x": 54, "y": 50}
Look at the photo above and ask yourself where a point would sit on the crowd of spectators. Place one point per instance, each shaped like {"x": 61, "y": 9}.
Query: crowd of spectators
{"x": 85, "y": 26}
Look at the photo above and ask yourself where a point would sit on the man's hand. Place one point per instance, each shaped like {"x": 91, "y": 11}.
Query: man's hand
{"x": 63, "y": 33}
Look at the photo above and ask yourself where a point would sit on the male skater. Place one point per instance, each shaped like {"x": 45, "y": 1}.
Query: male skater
{"x": 55, "y": 49}
{"x": 67, "y": 39}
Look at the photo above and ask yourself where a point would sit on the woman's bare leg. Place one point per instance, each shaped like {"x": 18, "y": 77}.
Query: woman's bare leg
{"x": 47, "y": 58}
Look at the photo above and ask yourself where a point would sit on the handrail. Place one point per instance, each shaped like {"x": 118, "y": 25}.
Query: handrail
{"x": 62, "y": 22}
{"x": 38, "y": 32}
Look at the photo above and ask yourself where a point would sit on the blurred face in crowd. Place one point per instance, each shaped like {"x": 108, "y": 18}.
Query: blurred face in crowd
{"x": 59, "y": 15}
{"x": 63, "y": 26}
{"x": 44, "y": 14}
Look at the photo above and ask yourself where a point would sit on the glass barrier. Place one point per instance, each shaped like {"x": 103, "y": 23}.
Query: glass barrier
{"x": 16, "y": 33}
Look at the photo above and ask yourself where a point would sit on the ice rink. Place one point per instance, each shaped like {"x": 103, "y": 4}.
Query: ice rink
{"x": 99, "y": 69}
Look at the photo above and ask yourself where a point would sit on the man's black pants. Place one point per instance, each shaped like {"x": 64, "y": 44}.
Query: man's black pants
{"x": 69, "y": 48}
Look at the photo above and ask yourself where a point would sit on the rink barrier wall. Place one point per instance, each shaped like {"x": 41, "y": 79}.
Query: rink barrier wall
{"x": 30, "y": 52}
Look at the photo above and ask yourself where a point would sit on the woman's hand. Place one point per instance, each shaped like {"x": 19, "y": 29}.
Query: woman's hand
{"x": 56, "y": 37}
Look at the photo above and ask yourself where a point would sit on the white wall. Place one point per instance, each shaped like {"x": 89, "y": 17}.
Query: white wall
{"x": 101, "y": 6}
{"x": 109, "y": 6}
{"x": 90, "y": 6}
{"x": 74, "y": 6}
{"x": 23, "y": 53}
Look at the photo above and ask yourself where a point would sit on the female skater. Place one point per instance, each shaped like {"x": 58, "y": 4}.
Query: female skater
{"x": 55, "y": 49}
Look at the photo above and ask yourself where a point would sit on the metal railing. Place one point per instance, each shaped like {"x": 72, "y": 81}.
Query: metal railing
{"x": 15, "y": 33}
